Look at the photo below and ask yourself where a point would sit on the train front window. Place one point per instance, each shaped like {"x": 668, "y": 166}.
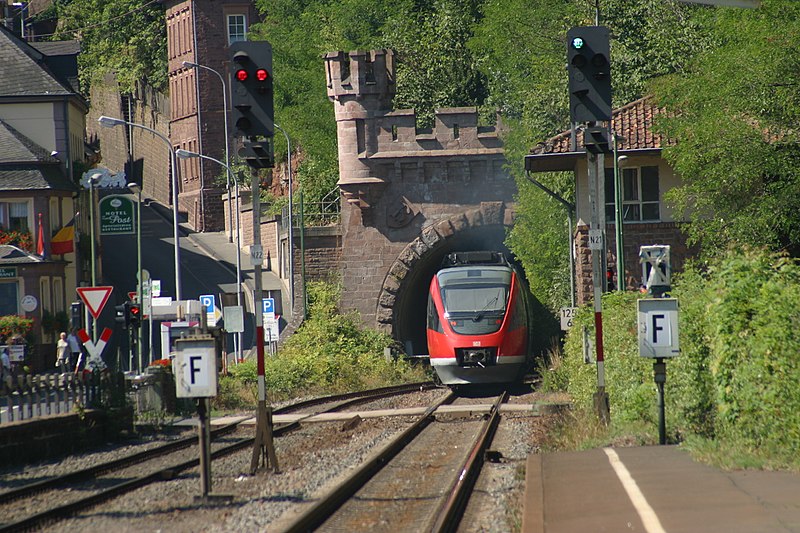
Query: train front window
{"x": 475, "y": 298}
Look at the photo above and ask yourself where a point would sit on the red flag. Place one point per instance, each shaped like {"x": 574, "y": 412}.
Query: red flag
{"x": 40, "y": 244}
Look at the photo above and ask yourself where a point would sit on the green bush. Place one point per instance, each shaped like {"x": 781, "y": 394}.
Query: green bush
{"x": 735, "y": 382}
{"x": 329, "y": 353}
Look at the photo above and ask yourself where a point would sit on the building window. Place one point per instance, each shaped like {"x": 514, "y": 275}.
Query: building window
{"x": 44, "y": 294}
{"x": 640, "y": 194}
{"x": 58, "y": 295}
{"x": 9, "y": 296}
{"x": 237, "y": 28}
{"x": 14, "y": 216}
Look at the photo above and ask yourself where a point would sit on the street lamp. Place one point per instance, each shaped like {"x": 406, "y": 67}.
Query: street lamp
{"x": 136, "y": 189}
{"x": 190, "y": 64}
{"x": 186, "y": 154}
{"x": 291, "y": 220}
{"x": 110, "y": 122}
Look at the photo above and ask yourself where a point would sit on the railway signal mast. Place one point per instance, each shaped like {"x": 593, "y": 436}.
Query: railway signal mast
{"x": 253, "y": 118}
{"x": 589, "y": 67}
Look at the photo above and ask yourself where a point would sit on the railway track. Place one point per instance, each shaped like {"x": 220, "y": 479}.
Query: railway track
{"x": 420, "y": 481}
{"x": 102, "y": 482}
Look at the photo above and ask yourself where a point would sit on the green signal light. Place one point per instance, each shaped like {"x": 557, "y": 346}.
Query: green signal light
{"x": 577, "y": 43}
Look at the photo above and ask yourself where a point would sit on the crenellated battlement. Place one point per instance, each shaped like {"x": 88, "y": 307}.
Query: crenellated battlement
{"x": 361, "y": 75}
{"x": 379, "y": 145}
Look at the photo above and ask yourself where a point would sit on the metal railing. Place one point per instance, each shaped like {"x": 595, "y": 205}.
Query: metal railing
{"x": 326, "y": 212}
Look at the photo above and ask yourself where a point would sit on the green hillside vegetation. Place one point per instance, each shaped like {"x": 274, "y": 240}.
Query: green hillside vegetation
{"x": 732, "y": 393}
{"x": 330, "y": 353}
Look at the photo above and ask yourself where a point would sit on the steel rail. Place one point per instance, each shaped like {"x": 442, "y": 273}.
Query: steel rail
{"x": 325, "y": 507}
{"x": 67, "y": 510}
{"x": 452, "y": 509}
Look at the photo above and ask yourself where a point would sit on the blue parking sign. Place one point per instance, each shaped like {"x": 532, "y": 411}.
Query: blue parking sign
{"x": 268, "y": 306}
{"x": 207, "y": 301}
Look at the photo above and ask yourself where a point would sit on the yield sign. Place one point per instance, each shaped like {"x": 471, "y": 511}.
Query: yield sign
{"x": 132, "y": 296}
{"x": 95, "y": 298}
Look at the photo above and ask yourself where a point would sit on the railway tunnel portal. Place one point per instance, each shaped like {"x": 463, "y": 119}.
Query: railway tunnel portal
{"x": 410, "y": 196}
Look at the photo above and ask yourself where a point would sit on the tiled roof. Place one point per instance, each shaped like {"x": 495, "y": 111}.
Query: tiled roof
{"x": 23, "y": 71}
{"x": 632, "y": 123}
{"x": 24, "y": 165}
{"x": 17, "y": 148}
{"x": 57, "y": 48}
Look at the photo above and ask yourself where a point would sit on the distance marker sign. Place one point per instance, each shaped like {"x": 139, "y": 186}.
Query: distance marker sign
{"x": 658, "y": 327}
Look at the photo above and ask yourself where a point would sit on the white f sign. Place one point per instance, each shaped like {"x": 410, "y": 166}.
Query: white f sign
{"x": 658, "y": 327}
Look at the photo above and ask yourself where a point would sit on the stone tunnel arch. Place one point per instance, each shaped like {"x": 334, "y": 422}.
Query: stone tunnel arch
{"x": 401, "y": 308}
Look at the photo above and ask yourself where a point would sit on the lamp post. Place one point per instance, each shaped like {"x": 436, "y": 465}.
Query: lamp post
{"x": 190, "y": 64}
{"x": 185, "y": 154}
{"x": 110, "y": 122}
{"x": 291, "y": 219}
{"x": 137, "y": 190}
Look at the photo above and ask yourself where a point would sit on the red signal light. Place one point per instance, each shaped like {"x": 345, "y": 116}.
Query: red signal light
{"x": 242, "y": 75}
{"x": 262, "y": 74}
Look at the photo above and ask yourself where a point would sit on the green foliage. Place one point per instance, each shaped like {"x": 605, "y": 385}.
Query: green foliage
{"x": 629, "y": 377}
{"x": 733, "y": 386}
{"x": 733, "y": 111}
{"x": 127, "y": 37}
{"x": 329, "y": 353}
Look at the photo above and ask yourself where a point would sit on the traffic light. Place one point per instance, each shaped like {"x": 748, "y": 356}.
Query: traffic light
{"x": 76, "y": 315}
{"x": 123, "y": 314}
{"x": 251, "y": 88}
{"x": 135, "y": 312}
{"x": 589, "y": 66}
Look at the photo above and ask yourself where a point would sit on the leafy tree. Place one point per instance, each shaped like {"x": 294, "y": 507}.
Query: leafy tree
{"x": 127, "y": 37}
{"x": 434, "y": 70}
{"x": 520, "y": 46}
{"x": 733, "y": 112}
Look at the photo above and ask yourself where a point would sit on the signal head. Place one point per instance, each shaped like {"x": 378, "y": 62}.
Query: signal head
{"x": 242, "y": 75}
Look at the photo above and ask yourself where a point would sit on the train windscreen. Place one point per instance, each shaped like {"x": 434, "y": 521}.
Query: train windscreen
{"x": 475, "y": 298}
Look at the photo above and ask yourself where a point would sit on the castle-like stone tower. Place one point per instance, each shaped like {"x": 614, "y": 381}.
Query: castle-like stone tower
{"x": 411, "y": 195}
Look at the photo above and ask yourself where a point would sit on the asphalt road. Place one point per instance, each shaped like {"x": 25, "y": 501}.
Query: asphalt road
{"x": 200, "y": 274}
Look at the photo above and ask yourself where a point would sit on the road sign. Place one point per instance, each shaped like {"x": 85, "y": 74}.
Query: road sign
{"x": 95, "y": 350}
{"x": 271, "y": 330}
{"x": 268, "y": 307}
{"x": 95, "y": 298}
{"x": 658, "y": 327}
{"x": 156, "y": 287}
{"x": 234, "y": 318}
{"x": 207, "y": 301}
{"x": 132, "y": 296}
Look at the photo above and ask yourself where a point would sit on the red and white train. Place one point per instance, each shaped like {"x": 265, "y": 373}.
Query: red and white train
{"x": 477, "y": 321}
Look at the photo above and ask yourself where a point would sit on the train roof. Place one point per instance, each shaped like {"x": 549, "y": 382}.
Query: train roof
{"x": 478, "y": 257}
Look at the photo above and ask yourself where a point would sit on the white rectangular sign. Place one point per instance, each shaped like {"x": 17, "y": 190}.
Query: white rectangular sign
{"x": 271, "y": 329}
{"x": 595, "y": 239}
{"x": 567, "y": 315}
{"x": 234, "y": 318}
{"x": 256, "y": 255}
{"x": 195, "y": 368}
{"x": 658, "y": 327}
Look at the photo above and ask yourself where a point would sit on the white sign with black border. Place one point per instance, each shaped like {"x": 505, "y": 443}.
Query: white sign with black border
{"x": 195, "y": 367}
{"x": 658, "y": 327}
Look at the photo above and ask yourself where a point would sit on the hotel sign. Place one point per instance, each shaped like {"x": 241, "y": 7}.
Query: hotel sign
{"x": 116, "y": 215}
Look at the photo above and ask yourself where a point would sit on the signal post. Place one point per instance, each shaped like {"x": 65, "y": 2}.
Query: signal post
{"x": 589, "y": 67}
{"x": 253, "y": 118}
